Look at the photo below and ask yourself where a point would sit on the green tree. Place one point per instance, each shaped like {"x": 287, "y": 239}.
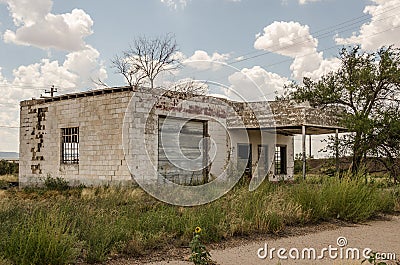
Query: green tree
{"x": 7, "y": 168}
{"x": 366, "y": 88}
{"x": 385, "y": 141}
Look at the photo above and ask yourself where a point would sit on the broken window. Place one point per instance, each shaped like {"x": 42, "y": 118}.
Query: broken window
{"x": 280, "y": 160}
{"x": 245, "y": 158}
{"x": 70, "y": 145}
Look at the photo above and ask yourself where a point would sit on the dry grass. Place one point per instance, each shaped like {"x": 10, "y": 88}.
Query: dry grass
{"x": 97, "y": 223}
{"x": 9, "y": 178}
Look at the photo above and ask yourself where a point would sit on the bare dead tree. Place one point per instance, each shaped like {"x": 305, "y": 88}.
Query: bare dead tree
{"x": 146, "y": 59}
{"x": 131, "y": 73}
{"x": 99, "y": 82}
{"x": 190, "y": 87}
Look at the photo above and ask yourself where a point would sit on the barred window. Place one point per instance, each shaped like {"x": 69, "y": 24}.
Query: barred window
{"x": 280, "y": 160}
{"x": 70, "y": 145}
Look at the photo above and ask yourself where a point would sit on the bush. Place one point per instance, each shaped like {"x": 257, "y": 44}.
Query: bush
{"x": 345, "y": 199}
{"x": 350, "y": 200}
{"x": 309, "y": 199}
{"x": 7, "y": 168}
{"x": 57, "y": 183}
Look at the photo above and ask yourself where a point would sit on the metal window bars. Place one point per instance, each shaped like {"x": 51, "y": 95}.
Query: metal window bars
{"x": 70, "y": 145}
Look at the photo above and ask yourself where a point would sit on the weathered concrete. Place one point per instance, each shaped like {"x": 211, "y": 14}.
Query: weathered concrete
{"x": 100, "y": 116}
{"x": 100, "y": 119}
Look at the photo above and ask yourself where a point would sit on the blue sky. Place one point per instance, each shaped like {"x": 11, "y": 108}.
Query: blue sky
{"x": 66, "y": 43}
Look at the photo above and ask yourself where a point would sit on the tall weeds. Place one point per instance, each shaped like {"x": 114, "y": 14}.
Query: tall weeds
{"x": 43, "y": 237}
{"x": 60, "y": 226}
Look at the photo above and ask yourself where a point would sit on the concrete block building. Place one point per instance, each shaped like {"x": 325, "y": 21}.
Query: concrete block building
{"x": 106, "y": 136}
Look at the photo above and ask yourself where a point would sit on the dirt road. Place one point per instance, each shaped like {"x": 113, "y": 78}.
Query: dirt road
{"x": 380, "y": 236}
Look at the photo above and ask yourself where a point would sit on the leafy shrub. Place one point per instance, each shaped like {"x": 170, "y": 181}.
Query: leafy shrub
{"x": 57, "y": 183}
{"x": 8, "y": 168}
{"x": 347, "y": 199}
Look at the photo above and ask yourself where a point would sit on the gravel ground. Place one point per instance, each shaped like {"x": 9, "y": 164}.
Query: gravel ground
{"x": 379, "y": 235}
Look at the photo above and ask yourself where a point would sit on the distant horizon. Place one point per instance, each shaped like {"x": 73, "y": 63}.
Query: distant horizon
{"x": 7, "y": 154}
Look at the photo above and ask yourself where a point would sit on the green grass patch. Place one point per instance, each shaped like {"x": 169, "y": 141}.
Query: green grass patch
{"x": 44, "y": 237}
{"x": 59, "y": 225}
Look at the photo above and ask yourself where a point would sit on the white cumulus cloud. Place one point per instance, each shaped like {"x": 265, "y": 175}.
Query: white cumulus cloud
{"x": 176, "y": 4}
{"x": 31, "y": 80}
{"x": 26, "y": 12}
{"x": 201, "y": 60}
{"x": 77, "y": 71}
{"x": 40, "y": 28}
{"x": 286, "y": 38}
{"x": 313, "y": 66}
{"x": 303, "y": 2}
{"x": 255, "y": 84}
{"x": 382, "y": 30}
{"x": 36, "y": 26}
{"x": 294, "y": 40}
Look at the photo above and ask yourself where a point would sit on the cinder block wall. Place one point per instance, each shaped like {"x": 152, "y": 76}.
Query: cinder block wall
{"x": 100, "y": 118}
{"x": 101, "y": 155}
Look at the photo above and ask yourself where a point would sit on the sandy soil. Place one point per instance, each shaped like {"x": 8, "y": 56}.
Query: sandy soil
{"x": 380, "y": 236}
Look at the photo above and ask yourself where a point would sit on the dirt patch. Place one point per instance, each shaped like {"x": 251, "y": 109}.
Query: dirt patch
{"x": 242, "y": 250}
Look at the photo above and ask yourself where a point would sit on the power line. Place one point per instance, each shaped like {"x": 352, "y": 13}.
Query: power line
{"x": 325, "y": 49}
{"x": 335, "y": 27}
{"x": 380, "y": 32}
{"x": 318, "y": 36}
{"x": 354, "y": 21}
{"x": 330, "y": 48}
{"x": 323, "y": 32}
{"x": 321, "y": 36}
{"x": 339, "y": 26}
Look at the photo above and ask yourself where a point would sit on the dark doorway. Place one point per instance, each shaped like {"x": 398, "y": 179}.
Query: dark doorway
{"x": 244, "y": 158}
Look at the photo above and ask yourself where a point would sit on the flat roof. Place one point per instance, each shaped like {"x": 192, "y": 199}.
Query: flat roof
{"x": 88, "y": 93}
{"x": 285, "y": 117}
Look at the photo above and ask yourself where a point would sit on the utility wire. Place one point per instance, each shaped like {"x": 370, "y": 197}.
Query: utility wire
{"x": 295, "y": 44}
{"x": 339, "y": 26}
{"x": 352, "y": 21}
{"x": 321, "y": 36}
{"x": 308, "y": 54}
{"x": 331, "y": 47}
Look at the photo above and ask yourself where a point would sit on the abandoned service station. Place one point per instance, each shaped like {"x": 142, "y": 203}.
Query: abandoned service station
{"x": 105, "y": 136}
